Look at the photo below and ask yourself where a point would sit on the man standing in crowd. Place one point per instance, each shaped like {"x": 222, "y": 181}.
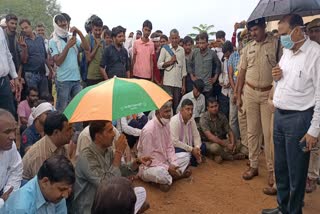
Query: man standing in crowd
{"x": 256, "y": 64}
{"x": 11, "y": 164}
{"x": 64, "y": 50}
{"x": 206, "y": 65}
{"x": 115, "y": 59}
{"x": 34, "y": 59}
{"x": 143, "y": 51}
{"x": 97, "y": 45}
{"x": 7, "y": 67}
{"x": 174, "y": 64}
{"x": 297, "y": 115}
{"x": 313, "y": 30}
{"x": 47, "y": 192}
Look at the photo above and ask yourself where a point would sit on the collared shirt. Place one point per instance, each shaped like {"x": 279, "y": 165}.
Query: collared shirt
{"x": 24, "y": 109}
{"x": 174, "y": 74}
{"x": 218, "y": 126}
{"x": 29, "y": 137}
{"x": 6, "y": 63}
{"x": 299, "y": 87}
{"x": 234, "y": 62}
{"x": 143, "y": 52}
{"x": 37, "y": 154}
{"x": 93, "y": 165}
{"x": 257, "y": 59}
{"x": 84, "y": 139}
{"x": 205, "y": 66}
{"x": 116, "y": 62}
{"x": 184, "y": 136}
{"x": 94, "y": 64}
{"x": 155, "y": 141}
{"x": 10, "y": 170}
{"x": 29, "y": 199}
{"x": 69, "y": 69}
{"x": 124, "y": 127}
{"x": 37, "y": 55}
{"x": 199, "y": 104}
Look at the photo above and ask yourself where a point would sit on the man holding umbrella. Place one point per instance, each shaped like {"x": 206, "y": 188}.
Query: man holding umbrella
{"x": 297, "y": 115}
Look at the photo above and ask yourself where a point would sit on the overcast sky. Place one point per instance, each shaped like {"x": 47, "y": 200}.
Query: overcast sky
{"x": 165, "y": 15}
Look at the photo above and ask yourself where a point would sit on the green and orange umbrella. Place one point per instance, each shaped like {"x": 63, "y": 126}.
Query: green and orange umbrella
{"x": 115, "y": 98}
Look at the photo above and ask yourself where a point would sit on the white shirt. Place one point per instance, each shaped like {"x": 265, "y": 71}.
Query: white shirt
{"x": 219, "y": 53}
{"x": 123, "y": 127}
{"x": 175, "y": 129}
{"x": 299, "y": 88}
{"x": 224, "y": 79}
{"x": 199, "y": 104}
{"x": 174, "y": 74}
{"x": 10, "y": 170}
{"x": 6, "y": 62}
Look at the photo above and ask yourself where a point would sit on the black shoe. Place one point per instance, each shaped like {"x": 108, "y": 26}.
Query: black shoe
{"x": 271, "y": 211}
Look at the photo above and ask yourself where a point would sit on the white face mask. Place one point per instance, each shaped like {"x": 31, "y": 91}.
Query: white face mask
{"x": 164, "y": 121}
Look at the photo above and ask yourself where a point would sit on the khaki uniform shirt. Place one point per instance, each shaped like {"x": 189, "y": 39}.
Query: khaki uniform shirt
{"x": 218, "y": 126}
{"x": 258, "y": 59}
{"x": 37, "y": 154}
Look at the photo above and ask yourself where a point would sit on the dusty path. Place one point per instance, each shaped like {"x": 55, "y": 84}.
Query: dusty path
{"x": 217, "y": 189}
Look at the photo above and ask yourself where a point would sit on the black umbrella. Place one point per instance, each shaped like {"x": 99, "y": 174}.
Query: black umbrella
{"x": 276, "y": 9}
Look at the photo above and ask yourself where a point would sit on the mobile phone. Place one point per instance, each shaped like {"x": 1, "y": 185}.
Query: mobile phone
{"x": 74, "y": 33}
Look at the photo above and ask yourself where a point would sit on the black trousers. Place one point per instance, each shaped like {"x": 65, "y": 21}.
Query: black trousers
{"x": 6, "y": 96}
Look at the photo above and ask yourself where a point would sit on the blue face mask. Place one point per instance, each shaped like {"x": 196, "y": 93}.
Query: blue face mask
{"x": 287, "y": 42}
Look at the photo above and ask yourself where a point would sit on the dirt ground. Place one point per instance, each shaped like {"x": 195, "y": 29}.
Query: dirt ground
{"x": 217, "y": 189}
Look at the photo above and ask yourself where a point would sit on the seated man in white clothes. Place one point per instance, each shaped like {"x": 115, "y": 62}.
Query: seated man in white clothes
{"x": 11, "y": 164}
{"x": 198, "y": 99}
{"x": 185, "y": 135}
{"x": 131, "y": 127}
{"x": 155, "y": 141}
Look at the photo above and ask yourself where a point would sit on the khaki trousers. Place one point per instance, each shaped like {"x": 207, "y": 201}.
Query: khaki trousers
{"x": 314, "y": 164}
{"x": 259, "y": 123}
{"x": 217, "y": 150}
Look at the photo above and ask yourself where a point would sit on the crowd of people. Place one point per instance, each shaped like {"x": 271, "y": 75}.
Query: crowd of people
{"x": 230, "y": 101}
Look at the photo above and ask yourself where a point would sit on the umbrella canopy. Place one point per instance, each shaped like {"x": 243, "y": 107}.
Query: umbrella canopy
{"x": 115, "y": 98}
{"x": 276, "y": 9}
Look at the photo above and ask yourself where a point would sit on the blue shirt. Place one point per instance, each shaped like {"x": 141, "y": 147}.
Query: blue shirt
{"x": 36, "y": 55}
{"x": 69, "y": 69}
{"x": 234, "y": 61}
{"x": 29, "y": 200}
{"x": 29, "y": 137}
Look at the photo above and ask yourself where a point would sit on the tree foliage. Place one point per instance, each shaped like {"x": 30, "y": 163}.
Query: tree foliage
{"x": 37, "y": 11}
{"x": 203, "y": 28}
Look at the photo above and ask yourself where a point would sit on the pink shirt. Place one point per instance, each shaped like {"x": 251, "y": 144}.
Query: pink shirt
{"x": 144, "y": 54}
{"x": 155, "y": 141}
{"x": 24, "y": 109}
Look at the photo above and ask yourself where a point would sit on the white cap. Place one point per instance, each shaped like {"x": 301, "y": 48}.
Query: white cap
{"x": 43, "y": 107}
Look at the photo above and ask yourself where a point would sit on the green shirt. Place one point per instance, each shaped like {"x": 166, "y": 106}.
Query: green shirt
{"x": 94, "y": 65}
{"x": 218, "y": 126}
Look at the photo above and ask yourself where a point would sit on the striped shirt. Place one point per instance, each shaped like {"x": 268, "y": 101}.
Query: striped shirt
{"x": 37, "y": 154}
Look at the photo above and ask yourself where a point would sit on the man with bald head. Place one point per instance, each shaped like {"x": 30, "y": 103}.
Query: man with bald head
{"x": 11, "y": 164}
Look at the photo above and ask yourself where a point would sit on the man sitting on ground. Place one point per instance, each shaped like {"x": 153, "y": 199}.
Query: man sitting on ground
{"x": 36, "y": 131}
{"x": 58, "y": 133}
{"x": 155, "y": 141}
{"x": 198, "y": 99}
{"x": 11, "y": 164}
{"x": 97, "y": 162}
{"x": 131, "y": 126}
{"x": 185, "y": 135}
{"x": 218, "y": 136}
{"x": 46, "y": 192}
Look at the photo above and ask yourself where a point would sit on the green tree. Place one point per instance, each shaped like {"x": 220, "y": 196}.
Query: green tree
{"x": 37, "y": 11}
{"x": 203, "y": 28}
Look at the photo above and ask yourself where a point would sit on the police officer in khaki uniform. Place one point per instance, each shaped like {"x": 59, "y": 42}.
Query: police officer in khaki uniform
{"x": 255, "y": 82}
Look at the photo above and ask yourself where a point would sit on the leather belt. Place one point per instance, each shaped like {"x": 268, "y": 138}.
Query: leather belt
{"x": 268, "y": 88}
